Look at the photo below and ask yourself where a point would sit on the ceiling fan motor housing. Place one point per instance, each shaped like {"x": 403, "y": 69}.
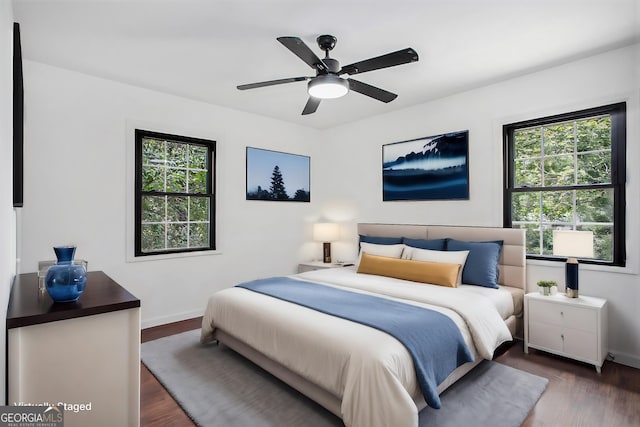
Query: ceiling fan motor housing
{"x": 326, "y": 42}
{"x": 333, "y": 66}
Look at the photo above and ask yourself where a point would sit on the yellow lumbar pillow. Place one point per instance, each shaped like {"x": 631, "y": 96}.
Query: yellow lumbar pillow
{"x": 437, "y": 273}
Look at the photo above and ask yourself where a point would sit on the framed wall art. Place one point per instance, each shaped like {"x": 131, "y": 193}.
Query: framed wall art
{"x": 277, "y": 176}
{"x": 18, "y": 120}
{"x": 431, "y": 168}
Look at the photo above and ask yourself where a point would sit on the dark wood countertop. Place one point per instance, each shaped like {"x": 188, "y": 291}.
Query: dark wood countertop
{"x": 29, "y": 306}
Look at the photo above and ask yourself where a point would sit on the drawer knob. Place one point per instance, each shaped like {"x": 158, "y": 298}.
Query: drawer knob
{"x": 562, "y": 336}
{"x": 562, "y": 313}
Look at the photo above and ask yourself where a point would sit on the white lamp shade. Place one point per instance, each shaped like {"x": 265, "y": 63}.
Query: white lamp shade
{"x": 573, "y": 243}
{"x": 326, "y": 232}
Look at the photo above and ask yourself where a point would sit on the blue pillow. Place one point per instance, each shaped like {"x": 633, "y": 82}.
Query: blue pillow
{"x": 381, "y": 240}
{"x": 481, "y": 267}
{"x": 433, "y": 244}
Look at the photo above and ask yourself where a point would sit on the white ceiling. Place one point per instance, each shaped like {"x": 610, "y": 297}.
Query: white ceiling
{"x": 204, "y": 49}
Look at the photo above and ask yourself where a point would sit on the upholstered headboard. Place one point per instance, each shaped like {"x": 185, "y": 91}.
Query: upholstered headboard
{"x": 512, "y": 261}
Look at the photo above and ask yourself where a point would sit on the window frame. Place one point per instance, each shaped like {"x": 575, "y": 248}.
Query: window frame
{"x": 140, "y": 134}
{"x": 617, "y": 112}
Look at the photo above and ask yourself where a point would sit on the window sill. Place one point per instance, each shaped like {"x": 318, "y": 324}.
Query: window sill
{"x": 585, "y": 267}
{"x": 161, "y": 257}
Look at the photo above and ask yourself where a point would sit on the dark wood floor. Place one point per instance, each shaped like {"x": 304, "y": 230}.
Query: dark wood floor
{"x": 157, "y": 407}
{"x": 576, "y": 394}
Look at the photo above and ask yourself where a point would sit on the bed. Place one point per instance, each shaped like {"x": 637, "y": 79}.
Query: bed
{"x": 361, "y": 374}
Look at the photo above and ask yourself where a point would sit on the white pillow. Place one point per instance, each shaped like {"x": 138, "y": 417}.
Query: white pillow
{"x": 407, "y": 251}
{"x": 393, "y": 251}
{"x": 452, "y": 257}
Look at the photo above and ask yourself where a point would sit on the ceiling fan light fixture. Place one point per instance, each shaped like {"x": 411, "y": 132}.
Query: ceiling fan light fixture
{"x": 328, "y": 86}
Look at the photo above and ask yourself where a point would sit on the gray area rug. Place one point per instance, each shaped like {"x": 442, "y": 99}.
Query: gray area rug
{"x": 217, "y": 387}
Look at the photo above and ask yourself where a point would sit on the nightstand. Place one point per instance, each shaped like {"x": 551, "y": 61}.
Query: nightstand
{"x": 570, "y": 327}
{"x": 319, "y": 265}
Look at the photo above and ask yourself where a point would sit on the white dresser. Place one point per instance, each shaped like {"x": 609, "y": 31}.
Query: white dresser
{"x": 570, "y": 327}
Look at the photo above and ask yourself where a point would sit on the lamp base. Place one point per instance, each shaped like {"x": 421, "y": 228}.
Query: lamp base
{"x": 326, "y": 252}
{"x": 571, "y": 278}
{"x": 571, "y": 293}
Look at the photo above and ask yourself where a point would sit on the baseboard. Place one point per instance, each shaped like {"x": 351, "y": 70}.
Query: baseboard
{"x": 163, "y": 320}
{"x": 625, "y": 359}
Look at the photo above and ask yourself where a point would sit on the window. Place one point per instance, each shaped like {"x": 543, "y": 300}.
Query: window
{"x": 567, "y": 172}
{"x": 175, "y": 203}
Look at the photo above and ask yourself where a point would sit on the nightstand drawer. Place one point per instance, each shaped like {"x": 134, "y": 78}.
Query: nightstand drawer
{"x": 563, "y": 315}
{"x": 570, "y": 342}
{"x": 546, "y": 336}
{"x": 581, "y": 345}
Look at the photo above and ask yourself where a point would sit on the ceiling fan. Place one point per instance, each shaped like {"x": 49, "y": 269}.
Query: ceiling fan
{"x": 328, "y": 82}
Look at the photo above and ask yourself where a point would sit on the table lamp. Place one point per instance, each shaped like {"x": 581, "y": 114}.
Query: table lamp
{"x": 572, "y": 244}
{"x": 326, "y": 232}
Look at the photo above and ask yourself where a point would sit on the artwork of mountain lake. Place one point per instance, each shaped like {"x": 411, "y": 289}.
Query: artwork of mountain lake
{"x": 277, "y": 176}
{"x": 431, "y": 168}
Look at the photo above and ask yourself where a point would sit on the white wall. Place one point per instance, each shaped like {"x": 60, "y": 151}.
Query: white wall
{"x": 78, "y": 133}
{"x": 355, "y": 193}
{"x": 7, "y": 218}
{"x": 78, "y": 145}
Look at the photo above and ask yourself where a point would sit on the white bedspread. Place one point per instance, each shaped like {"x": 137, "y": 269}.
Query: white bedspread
{"x": 370, "y": 371}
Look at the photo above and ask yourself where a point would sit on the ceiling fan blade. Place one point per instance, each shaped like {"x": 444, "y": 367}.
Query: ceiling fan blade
{"x": 302, "y": 51}
{"x": 404, "y": 56}
{"x": 311, "y": 106}
{"x": 273, "y": 82}
{"x": 372, "y": 91}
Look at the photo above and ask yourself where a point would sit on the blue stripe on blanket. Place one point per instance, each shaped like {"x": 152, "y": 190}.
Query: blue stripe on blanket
{"x": 433, "y": 339}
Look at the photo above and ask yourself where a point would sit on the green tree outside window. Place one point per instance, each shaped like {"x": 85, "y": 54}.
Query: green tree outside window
{"x": 174, "y": 193}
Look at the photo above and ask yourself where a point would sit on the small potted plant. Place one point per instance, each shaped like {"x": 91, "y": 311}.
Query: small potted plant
{"x": 545, "y": 286}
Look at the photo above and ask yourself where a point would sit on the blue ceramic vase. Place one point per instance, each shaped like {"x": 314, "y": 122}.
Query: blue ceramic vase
{"x": 65, "y": 281}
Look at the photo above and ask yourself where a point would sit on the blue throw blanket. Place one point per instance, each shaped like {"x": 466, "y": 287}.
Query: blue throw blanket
{"x": 433, "y": 339}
